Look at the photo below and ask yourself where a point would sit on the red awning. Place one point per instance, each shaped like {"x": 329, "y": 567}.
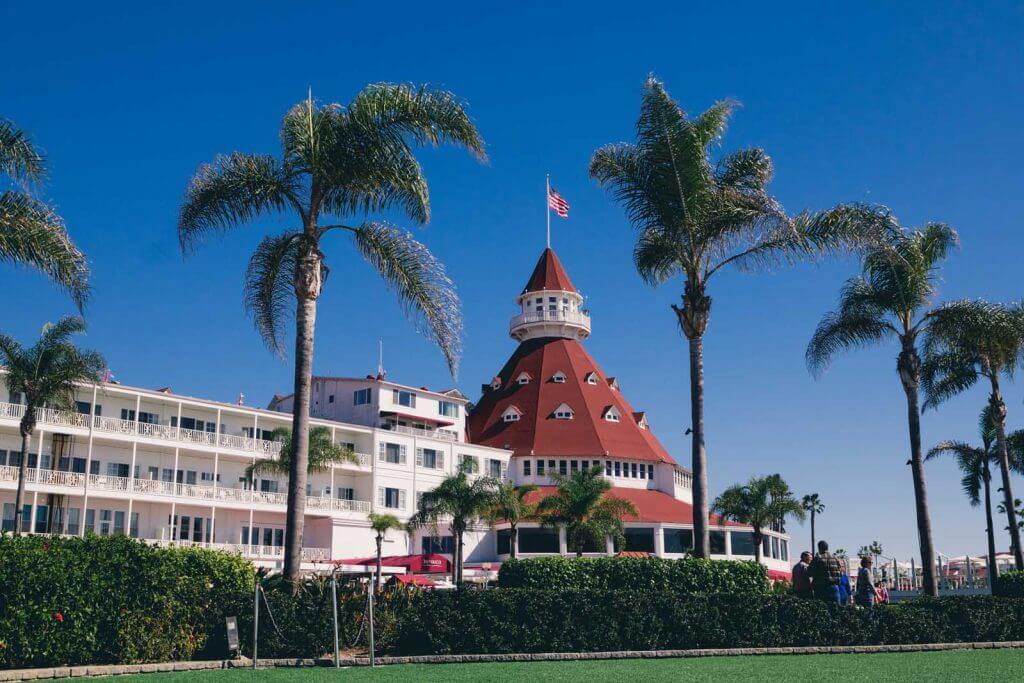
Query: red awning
{"x": 777, "y": 575}
{"x": 414, "y": 580}
{"x": 419, "y": 418}
{"x": 419, "y": 564}
{"x": 632, "y": 553}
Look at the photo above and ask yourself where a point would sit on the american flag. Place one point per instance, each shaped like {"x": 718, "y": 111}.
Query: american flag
{"x": 558, "y": 203}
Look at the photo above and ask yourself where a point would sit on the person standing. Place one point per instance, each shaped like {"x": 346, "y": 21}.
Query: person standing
{"x": 802, "y": 576}
{"x": 882, "y": 593}
{"x": 865, "y": 596}
{"x": 826, "y": 573}
{"x": 844, "y": 585}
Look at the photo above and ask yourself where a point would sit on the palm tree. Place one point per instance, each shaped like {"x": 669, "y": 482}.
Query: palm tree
{"x": 968, "y": 341}
{"x": 323, "y": 454}
{"x": 975, "y": 465}
{"x": 31, "y": 232}
{"x": 381, "y": 525}
{"x": 891, "y": 299}
{"x": 812, "y": 504}
{"x": 460, "y": 500}
{"x": 337, "y": 161}
{"x": 581, "y": 506}
{"x": 46, "y": 374}
{"x": 759, "y": 503}
{"x": 510, "y": 505}
{"x": 695, "y": 217}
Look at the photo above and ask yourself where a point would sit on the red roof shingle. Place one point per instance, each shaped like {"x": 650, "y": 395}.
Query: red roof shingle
{"x": 548, "y": 274}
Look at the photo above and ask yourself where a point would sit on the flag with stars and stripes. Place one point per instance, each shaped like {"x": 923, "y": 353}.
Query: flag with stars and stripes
{"x": 558, "y": 203}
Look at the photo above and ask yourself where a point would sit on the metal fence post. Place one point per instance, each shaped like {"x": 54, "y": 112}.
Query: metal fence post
{"x": 334, "y": 605}
{"x": 255, "y": 621}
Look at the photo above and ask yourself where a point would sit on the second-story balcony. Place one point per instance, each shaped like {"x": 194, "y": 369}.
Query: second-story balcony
{"x": 442, "y": 434}
{"x": 545, "y": 323}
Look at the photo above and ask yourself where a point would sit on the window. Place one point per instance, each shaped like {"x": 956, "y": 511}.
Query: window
{"x": 650, "y": 471}
{"x": 591, "y": 378}
{"x": 207, "y": 477}
{"x": 526, "y": 468}
{"x": 85, "y": 408}
{"x": 558, "y": 377}
{"x": 494, "y": 469}
{"x": 641, "y": 540}
{"x": 404, "y": 398}
{"x": 742, "y": 543}
{"x": 633, "y": 468}
{"x": 8, "y": 519}
{"x": 563, "y": 468}
{"x": 563, "y": 412}
{"x": 330, "y": 399}
{"x": 540, "y": 468}
{"x": 523, "y": 378}
{"x": 74, "y": 521}
{"x": 538, "y": 540}
{"x": 618, "y": 468}
{"x": 784, "y": 550}
{"x": 117, "y": 469}
{"x": 469, "y": 464}
{"x": 16, "y": 397}
{"x": 430, "y": 458}
{"x": 437, "y": 544}
{"x": 345, "y": 493}
{"x": 511, "y": 414}
{"x": 551, "y": 466}
{"x": 105, "y": 519}
{"x": 678, "y": 540}
{"x": 119, "y": 522}
{"x": 393, "y": 499}
{"x": 361, "y": 397}
{"x": 717, "y": 542}
{"x": 133, "y": 529}
{"x": 643, "y": 472}
{"x": 448, "y": 409}
{"x": 504, "y": 541}
{"x": 775, "y": 547}
{"x": 607, "y": 468}
{"x": 611, "y": 414}
{"x": 127, "y": 414}
{"x": 392, "y": 453}
{"x": 268, "y": 486}
{"x": 573, "y": 466}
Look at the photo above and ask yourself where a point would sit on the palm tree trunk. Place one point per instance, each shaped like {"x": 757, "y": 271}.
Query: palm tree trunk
{"x": 812, "y": 531}
{"x": 513, "y": 540}
{"x": 909, "y": 367}
{"x": 993, "y": 569}
{"x": 461, "y": 578}
{"x": 19, "y": 497}
{"x": 999, "y": 409}
{"x": 757, "y": 545}
{"x": 377, "y": 583}
{"x": 307, "y": 288}
{"x": 701, "y": 533}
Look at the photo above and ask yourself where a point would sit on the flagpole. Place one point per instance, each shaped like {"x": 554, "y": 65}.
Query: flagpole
{"x": 547, "y": 204}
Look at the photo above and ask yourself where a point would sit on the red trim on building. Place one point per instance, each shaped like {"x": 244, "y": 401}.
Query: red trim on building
{"x": 425, "y": 564}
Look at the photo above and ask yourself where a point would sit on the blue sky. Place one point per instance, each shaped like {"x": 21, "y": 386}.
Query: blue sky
{"x": 916, "y": 108}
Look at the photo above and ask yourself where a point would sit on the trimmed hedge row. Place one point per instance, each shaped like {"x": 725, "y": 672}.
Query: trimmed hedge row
{"x": 691, "y": 575}
{"x": 517, "y": 620}
{"x": 108, "y": 600}
{"x": 1010, "y": 584}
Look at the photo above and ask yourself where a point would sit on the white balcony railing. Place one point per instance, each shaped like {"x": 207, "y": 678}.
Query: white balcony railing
{"x": 112, "y": 425}
{"x": 255, "y": 552}
{"x": 684, "y": 479}
{"x": 442, "y": 434}
{"x": 573, "y": 318}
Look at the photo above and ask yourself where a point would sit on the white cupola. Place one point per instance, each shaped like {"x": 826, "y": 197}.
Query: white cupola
{"x": 549, "y": 305}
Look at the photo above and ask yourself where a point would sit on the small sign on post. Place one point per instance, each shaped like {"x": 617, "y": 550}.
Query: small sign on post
{"x": 232, "y": 630}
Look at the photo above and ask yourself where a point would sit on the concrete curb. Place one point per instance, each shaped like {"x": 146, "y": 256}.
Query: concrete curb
{"x": 126, "y": 669}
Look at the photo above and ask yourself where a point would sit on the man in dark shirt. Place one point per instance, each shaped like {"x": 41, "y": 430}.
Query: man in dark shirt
{"x": 825, "y": 571}
{"x": 802, "y": 577}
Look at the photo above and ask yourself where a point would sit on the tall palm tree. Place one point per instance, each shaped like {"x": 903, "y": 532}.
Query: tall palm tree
{"x": 339, "y": 162}
{"x": 510, "y": 505}
{"x": 891, "y": 299}
{"x": 461, "y": 501}
{"x": 46, "y": 374}
{"x": 975, "y": 465}
{"x": 813, "y": 505}
{"x": 580, "y": 504}
{"x": 695, "y": 217}
{"x": 31, "y": 232}
{"x": 759, "y": 503}
{"x": 381, "y": 525}
{"x": 323, "y": 454}
{"x": 969, "y": 341}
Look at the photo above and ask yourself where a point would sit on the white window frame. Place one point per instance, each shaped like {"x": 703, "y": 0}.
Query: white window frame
{"x": 511, "y": 414}
{"x": 523, "y": 378}
{"x": 559, "y": 377}
{"x": 564, "y": 412}
{"x": 382, "y": 453}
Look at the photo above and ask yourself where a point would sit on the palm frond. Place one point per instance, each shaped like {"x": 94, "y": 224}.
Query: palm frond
{"x": 419, "y": 280}
{"x": 840, "y": 332}
{"x": 33, "y": 235}
{"x": 269, "y": 287}
{"x": 19, "y": 158}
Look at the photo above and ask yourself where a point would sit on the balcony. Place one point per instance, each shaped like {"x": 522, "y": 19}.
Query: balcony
{"x": 112, "y": 425}
{"x": 441, "y": 434}
{"x": 578, "y": 321}
{"x": 168, "y": 489}
{"x": 252, "y": 552}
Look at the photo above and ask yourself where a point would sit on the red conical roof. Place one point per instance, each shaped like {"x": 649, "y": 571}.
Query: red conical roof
{"x": 549, "y": 274}
{"x": 538, "y": 432}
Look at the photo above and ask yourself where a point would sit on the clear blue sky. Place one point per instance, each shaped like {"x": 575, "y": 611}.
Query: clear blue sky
{"x": 915, "y": 108}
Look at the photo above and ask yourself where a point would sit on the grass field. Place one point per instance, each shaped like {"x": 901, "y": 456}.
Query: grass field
{"x": 973, "y": 666}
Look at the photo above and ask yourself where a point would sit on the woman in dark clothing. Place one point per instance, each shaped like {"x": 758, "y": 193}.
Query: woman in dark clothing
{"x": 865, "y": 596}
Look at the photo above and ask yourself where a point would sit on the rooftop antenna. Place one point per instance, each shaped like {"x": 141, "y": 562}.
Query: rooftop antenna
{"x": 380, "y": 358}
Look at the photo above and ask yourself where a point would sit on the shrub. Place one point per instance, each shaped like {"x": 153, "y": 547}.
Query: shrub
{"x": 102, "y": 600}
{"x": 1010, "y": 584}
{"x": 516, "y": 620}
{"x": 692, "y": 576}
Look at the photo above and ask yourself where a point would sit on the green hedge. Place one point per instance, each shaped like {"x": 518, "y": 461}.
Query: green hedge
{"x": 68, "y": 601}
{"x": 636, "y": 573}
{"x": 516, "y": 620}
{"x": 1010, "y": 584}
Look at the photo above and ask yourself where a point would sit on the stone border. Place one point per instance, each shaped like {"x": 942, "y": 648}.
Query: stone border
{"x": 125, "y": 669}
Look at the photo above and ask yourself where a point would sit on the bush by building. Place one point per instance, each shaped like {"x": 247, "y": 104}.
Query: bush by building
{"x": 106, "y": 600}
{"x": 689, "y": 576}
{"x": 517, "y": 620}
{"x": 1010, "y": 584}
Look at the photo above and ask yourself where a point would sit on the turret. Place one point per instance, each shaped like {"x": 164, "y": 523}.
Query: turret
{"x": 549, "y": 304}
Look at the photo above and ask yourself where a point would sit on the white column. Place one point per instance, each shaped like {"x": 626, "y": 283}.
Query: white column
{"x": 563, "y": 545}
{"x": 174, "y": 484}
{"x": 138, "y": 410}
{"x": 39, "y": 462}
{"x": 728, "y": 543}
{"x": 88, "y": 462}
{"x": 609, "y": 543}
{"x": 213, "y": 524}
{"x": 659, "y": 541}
{"x": 131, "y": 482}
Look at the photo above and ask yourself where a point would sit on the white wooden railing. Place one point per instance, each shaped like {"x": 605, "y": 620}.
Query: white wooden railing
{"x": 258, "y": 552}
{"x": 442, "y": 434}
{"x": 576, "y": 318}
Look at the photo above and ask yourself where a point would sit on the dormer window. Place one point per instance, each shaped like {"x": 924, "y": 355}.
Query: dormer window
{"x": 591, "y": 378}
{"x": 611, "y": 414}
{"x": 558, "y": 377}
{"x": 523, "y": 378}
{"x": 496, "y": 383}
{"x": 563, "y": 412}
{"x": 613, "y": 383}
{"x": 511, "y": 414}
{"x": 641, "y": 420}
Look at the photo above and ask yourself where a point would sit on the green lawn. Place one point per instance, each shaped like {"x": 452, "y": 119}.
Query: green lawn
{"x": 973, "y": 666}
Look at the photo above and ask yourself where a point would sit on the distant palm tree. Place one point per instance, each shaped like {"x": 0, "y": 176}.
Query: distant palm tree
{"x": 968, "y": 341}
{"x": 31, "y": 232}
{"x": 338, "y": 161}
{"x": 323, "y": 454}
{"x": 381, "y": 525}
{"x": 695, "y": 217}
{"x": 510, "y": 506}
{"x": 580, "y": 504}
{"x": 759, "y": 503}
{"x": 462, "y": 502}
{"x": 974, "y": 463}
{"x": 891, "y": 300}
{"x": 812, "y": 503}
{"x": 46, "y": 374}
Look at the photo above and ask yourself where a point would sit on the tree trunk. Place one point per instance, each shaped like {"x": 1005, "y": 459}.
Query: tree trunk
{"x": 459, "y": 549}
{"x": 813, "y": 542}
{"x": 513, "y": 537}
{"x": 380, "y": 537}
{"x": 993, "y": 569}
{"x": 307, "y": 288}
{"x": 27, "y": 425}
{"x": 999, "y": 409}
{"x": 757, "y": 545}
{"x": 909, "y": 367}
